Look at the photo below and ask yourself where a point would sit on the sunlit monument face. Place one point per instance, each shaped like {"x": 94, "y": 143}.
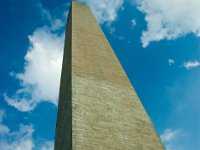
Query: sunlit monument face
{"x": 98, "y": 107}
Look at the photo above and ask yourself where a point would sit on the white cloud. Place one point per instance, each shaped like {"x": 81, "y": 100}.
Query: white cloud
{"x": 48, "y": 146}
{"x": 55, "y": 22}
{"x": 112, "y": 30}
{"x": 171, "y": 139}
{"x": 104, "y": 10}
{"x": 170, "y": 61}
{"x": 191, "y": 64}
{"x": 17, "y": 140}
{"x": 169, "y": 19}
{"x": 115, "y": 35}
{"x": 169, "y": 135}
{"x": 20, "y": 139}
{"x": 41, "y": 77}
{"x": 133, "y": 22}
{"x": 3, "y": 128}
{"x": 42, "y": 69}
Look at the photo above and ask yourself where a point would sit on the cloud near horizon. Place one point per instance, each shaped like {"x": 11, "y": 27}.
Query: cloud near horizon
{"x": 169, "y": 19}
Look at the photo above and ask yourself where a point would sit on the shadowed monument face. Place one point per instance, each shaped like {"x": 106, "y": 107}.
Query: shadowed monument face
{"x": 98, "y": 107}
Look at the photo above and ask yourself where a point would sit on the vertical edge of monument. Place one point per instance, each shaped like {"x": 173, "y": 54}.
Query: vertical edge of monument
{"x": 63, "y": 137}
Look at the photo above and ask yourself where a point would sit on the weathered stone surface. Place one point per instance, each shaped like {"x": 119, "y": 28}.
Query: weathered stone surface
{"x": 98, "y": 108}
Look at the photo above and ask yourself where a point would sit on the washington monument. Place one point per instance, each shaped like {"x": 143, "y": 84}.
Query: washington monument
{"x": 98, "y": 107}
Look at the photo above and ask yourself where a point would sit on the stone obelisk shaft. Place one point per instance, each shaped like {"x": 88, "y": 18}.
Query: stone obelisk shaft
{"x": 98, "y": 108}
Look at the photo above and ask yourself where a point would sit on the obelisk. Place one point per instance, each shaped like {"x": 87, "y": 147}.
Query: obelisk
{"x": 98, "y": 108}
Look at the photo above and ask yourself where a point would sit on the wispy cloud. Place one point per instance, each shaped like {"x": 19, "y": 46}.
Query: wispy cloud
{"x": 52, "y": 18}
{"x": 48, "y": 145}
{"x": 15, "y": 140}
{"x": 169, "y": 19}
{"x": 3, "y": 128}
{"x": 20, "y": 139}
{"x": 171, "y": 61}
{"x": 171, "y": 139}
{"x": 104, "y": 10}
{"x": 133, "y": 23}
{"x": 191, "y": 64}
{"x": 113, "y": 32}
{"x": 169, "y": 135}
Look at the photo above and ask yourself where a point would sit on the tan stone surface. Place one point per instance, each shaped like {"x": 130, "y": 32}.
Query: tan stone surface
{"x": 98, "y": 108}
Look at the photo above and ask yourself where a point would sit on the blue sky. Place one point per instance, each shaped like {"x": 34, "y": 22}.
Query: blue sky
{"x": 157, "y": 43}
